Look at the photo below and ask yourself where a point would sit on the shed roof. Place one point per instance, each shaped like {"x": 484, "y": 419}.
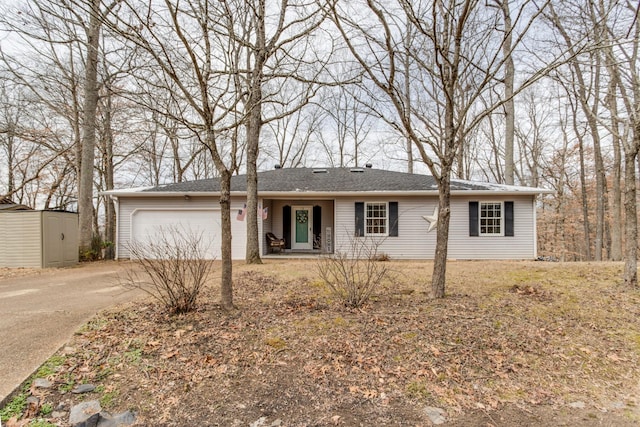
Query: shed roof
{"x": 6, "y": 204}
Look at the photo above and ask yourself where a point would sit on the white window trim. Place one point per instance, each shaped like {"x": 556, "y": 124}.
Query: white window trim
{"x": 480, "y": 233}
{"x": 386, "y": 233}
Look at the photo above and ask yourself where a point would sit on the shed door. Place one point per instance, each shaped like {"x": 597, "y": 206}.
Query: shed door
{"x": 60, "y": 239}
{"x": 146, "y": 224}
{"x": 53, "y": 232}
{"x": 70, "y": 239}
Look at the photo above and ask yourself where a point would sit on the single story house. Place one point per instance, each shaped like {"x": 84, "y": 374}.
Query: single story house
{"x": 321, "y": 211}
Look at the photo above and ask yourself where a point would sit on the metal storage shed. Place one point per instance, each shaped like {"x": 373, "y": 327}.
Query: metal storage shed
{"x": 40, "y": 239}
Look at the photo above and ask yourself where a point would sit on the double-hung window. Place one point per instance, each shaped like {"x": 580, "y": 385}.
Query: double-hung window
{"x": 491, "y": 219}
{"x": 376, "y": 219}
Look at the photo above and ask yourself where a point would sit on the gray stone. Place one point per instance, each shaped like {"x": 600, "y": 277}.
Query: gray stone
{"x": 92, "y": 421}
{"x": 42, "y": 383}
{"x": 82, "y": 411}
{"x": 437, "y": 416}
{"x": 120, "y": 420}
{"x": 83, "y": 388}
{"x": 276, "y": 423}
{"x": 579, "y": 404}
{"x": 58, "y": 414}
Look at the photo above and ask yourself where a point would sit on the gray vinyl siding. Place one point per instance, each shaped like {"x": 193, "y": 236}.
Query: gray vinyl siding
{"x": 414, "y": 242}
{"x": 520, "y": 246}
{"x": 128, "y": 205}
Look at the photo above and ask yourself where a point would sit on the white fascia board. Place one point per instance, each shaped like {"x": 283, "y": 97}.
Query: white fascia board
{"x": 524, "y": 192}
{"x": 513, "y": 191}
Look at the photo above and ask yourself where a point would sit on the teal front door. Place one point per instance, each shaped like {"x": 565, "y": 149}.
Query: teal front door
{"x": 302, "y": 222}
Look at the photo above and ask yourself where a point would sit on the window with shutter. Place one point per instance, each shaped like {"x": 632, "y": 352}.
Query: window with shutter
{"x": 376, "y": 219}
{"x": 491, "y": 218}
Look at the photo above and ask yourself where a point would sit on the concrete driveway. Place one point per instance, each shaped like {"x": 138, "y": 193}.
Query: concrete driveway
{"x": 41, "y": 309}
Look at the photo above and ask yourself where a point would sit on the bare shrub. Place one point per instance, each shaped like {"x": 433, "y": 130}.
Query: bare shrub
{"x": 355, "y": 274}
{"x": 171, "y": 267}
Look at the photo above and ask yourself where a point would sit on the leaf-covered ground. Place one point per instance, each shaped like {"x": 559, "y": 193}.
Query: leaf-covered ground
{"x": 512, "y": 343}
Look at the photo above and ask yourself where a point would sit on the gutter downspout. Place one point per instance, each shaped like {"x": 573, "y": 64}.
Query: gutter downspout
{"x": 117, "y": 209}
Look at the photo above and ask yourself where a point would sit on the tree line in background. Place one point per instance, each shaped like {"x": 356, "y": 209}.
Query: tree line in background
{"x": 104, "y": 94}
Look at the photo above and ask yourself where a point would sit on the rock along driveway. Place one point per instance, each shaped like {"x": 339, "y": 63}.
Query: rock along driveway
{"x": 41, "y": 309}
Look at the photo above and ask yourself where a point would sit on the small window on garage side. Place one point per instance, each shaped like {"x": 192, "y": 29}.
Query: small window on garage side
{"x": 376, "y": 219}
{"x": 491, "y": 218}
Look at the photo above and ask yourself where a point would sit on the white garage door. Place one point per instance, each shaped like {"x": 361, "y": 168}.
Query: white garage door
{"x": 147, "y": 224}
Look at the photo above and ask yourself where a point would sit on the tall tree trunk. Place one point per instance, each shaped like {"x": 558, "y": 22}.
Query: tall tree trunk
{"x": 85, "y": 193}
{"x": 630, "y": 210}
{"x": 509, "y": 106}
{"x": 10, "y": 160}
{"x": 439, "y": 276}
{"x": 616, "y": 206}
{"x": 226, "y": 279}
{"x": 110, "y": 212}
{"x": 253, "y": 137}
{"x": 407, "y": 95}
{"x": 601, "y": 190}
{"x": 583, "y": 192}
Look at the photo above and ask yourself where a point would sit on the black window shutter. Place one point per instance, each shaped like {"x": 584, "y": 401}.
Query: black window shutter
{"x": 359, "y": 219}
{"x": 317, "y": 224}
{"x": 393, "y": 219}
{"x": 473, "y": 219}
{"x": 286, "y": 226}
{"x": 508, "y": 218}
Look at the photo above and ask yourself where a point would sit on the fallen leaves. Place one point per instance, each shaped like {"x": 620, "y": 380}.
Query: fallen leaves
{"x": 490, "y": 342}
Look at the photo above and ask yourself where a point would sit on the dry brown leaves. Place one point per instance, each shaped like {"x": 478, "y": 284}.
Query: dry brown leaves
{"x": 523, "y": 333}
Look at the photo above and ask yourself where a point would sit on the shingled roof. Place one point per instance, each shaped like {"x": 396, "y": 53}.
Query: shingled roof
{"x": 334, "y": 180}
{"x": 6, "y": 204}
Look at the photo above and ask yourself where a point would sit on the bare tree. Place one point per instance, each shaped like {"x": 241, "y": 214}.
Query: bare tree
{"x": 452, "y": 73}
{"x": 346, "y": 125}
{"x": 190, "y": 63}
{"x": 273, "y": 48}
{"x": 509, "y": 102}
{"x": 291, "y": 137}
{"x": 588, "y": 95}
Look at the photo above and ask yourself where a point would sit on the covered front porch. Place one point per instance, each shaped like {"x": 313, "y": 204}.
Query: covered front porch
{"x": 307, "y": 226}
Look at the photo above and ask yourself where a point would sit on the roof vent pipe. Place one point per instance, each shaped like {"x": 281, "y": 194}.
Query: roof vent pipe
{"x": 368, "y": 165}
{"x": 277, "y": 167}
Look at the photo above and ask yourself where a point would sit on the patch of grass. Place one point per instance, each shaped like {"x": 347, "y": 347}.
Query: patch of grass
{"x": 418, "y": 390}
{"x": 340, "y": 322}
{"x": 104, "y": 373}
{"x": 108, "y": 399}
{"x": 41, "y": 423}
{"x": 133, "y": 356}
{"x": 15, "y": 407}
{"x": 94, "y": 324}
{"x": 46, "y": 409}
{"x": 66, "y": 386}
{"x": 50, "y": 367}
{"x": 276, "y": 342}
{"x": 410, "y": 336}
